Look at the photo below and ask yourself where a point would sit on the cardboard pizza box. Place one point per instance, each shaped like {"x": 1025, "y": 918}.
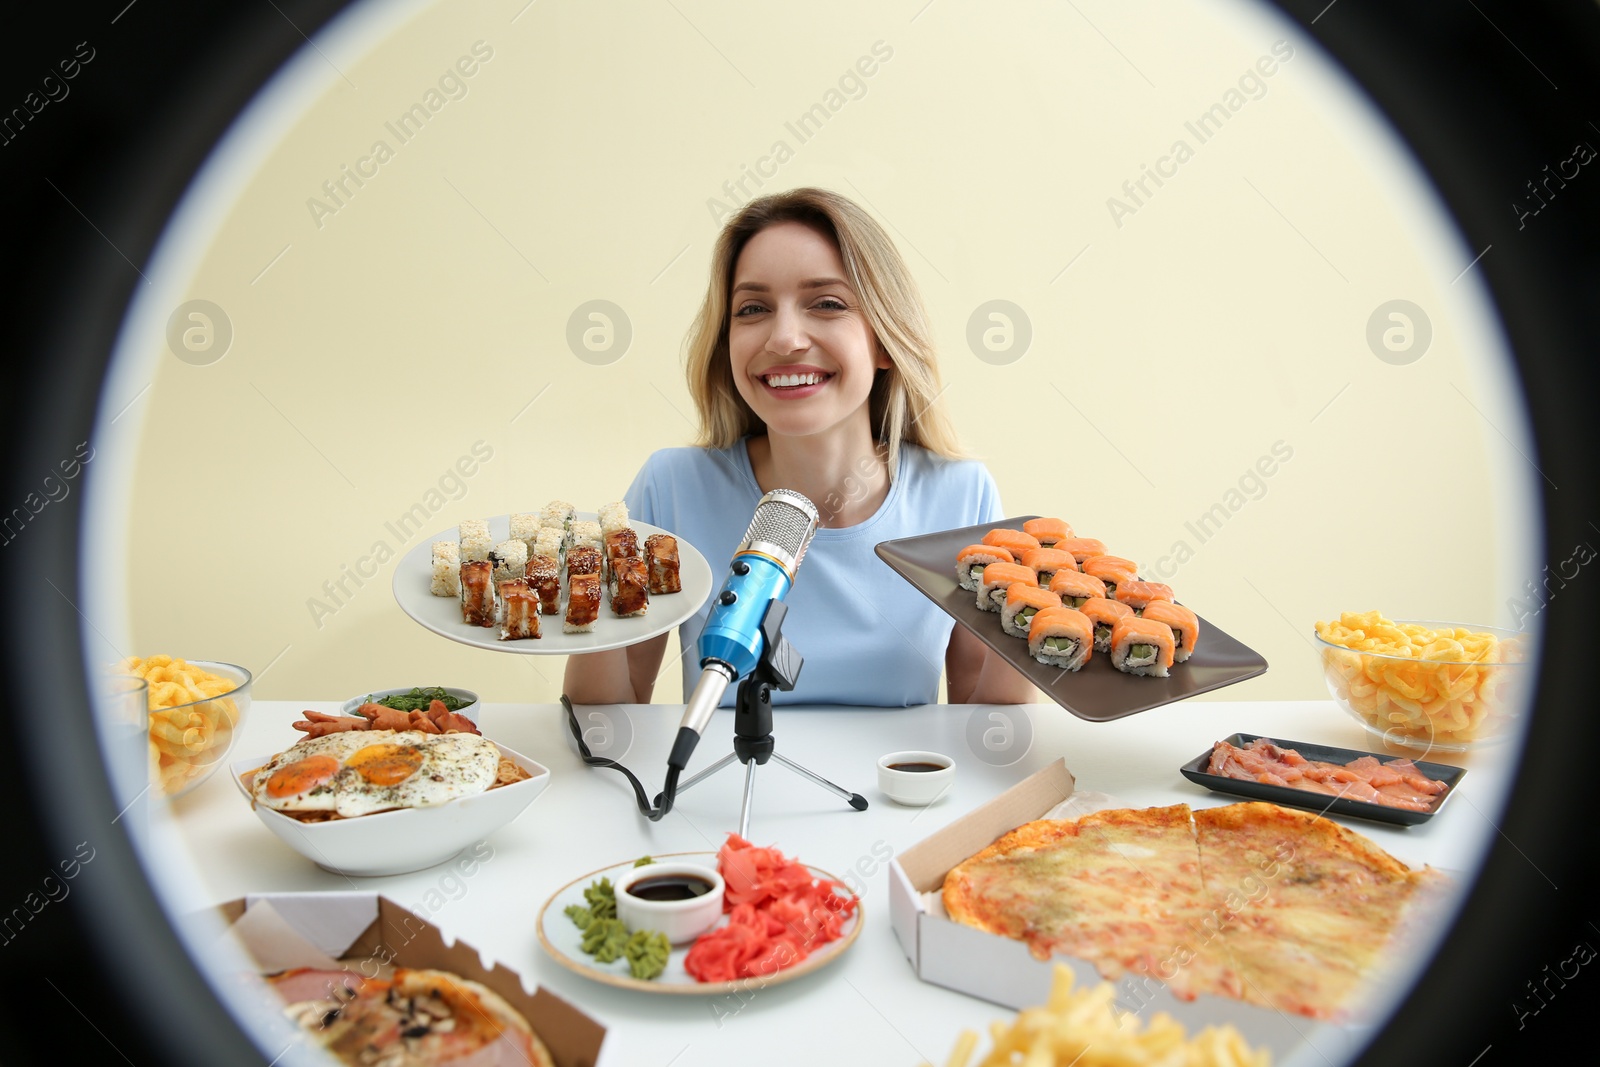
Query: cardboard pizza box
{"x": 367, "y": 931}
{"x": 1003, "y": 971}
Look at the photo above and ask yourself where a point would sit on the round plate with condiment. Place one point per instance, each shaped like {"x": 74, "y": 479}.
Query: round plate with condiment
{"x": 563, "y": 940}
{"x": 413, "y": 585}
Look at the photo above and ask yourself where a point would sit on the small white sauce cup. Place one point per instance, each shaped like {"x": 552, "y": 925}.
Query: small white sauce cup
{"x": 915, "y": 788}
{"x": 680, "y": 920}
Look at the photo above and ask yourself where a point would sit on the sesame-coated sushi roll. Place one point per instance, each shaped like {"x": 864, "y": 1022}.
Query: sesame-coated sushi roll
{"x": 1138, "y": 595}
{"x": 1112, "y": 570}
{"x": 477, "y": 593}
{"x": 550, "y": 542}
{"x": 525, "y": 526}
{"x": 1082, "y": 547}
{"x": 971, "y": 560}
{"x": 661, "y": 560}
{"x": 1048, "y": 532}
{"x": 1074, "y": 588}
{"x": 1045, "y": 562}
{"x": 510, "y": 559}
{"x": 1023, "y": 602}
{"x": 544, "y": 578}
{"x": 997, "y": 578}
{"x": 1185, "y": 626}
{"x": 1061, "y": 637}
{"x": 1013, "y": 541}
{"x": 1141, "y": 646}
{"x": 586, "y": 532}
{"x": 476, "y": 544}
{"x": 583, "y": 603}
{"x": 613, "y": 517}
{"x": 1104, "y": 614}
{"x": 446, "y": 568}
{"x": 519, "y": 611}
{"x": 558, "y": 513}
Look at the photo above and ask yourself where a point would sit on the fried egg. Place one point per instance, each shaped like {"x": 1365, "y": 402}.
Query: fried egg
{"x": 360, "y": 772}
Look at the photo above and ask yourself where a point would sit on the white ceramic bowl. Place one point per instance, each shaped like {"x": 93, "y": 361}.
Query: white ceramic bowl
{"x": 680, "y": 920}
{"x": 397, "y": 842}
{"x": 915, "y": 788}
{"x": 469, "y": 708}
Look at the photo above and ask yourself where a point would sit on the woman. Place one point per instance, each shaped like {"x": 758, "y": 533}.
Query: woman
{"x": 811, "y": 366}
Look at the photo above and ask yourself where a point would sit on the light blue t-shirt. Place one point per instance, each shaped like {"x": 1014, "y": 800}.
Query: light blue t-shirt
{"x": 867, "y": 635}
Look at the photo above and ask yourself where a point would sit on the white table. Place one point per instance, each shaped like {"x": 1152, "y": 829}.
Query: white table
{"x": 868, "y": 1006}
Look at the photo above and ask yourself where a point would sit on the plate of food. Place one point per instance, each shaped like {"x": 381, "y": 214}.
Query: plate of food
{"x": 1343, "y": 781}
{"x": 554, "y": 582}
{"x": 1079, "y": 622}
{"x": 579, "y": 925}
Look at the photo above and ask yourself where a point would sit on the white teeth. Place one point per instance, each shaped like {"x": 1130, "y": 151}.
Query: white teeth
{"x": 783, "y": 380}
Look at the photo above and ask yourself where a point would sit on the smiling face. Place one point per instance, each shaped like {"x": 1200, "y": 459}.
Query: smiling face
{"x": 801, "y": 351}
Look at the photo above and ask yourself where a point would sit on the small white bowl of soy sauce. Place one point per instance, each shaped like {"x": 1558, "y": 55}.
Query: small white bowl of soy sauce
{"x": 916, "y": 779}
{"x": 682, "y": 900}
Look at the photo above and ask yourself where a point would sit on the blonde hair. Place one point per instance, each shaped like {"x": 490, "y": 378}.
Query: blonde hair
{"x": 904, "y": 404}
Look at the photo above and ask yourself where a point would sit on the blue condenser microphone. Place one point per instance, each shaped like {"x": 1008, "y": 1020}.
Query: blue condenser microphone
{"x": 762, "y": 571}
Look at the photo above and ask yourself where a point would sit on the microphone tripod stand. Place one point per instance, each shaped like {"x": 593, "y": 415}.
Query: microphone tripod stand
{"x": 753, "y": 744}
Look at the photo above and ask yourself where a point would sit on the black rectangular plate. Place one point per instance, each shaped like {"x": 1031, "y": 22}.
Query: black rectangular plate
{"x": 1098, "y": 692}
{"x": 1321, "y": 803}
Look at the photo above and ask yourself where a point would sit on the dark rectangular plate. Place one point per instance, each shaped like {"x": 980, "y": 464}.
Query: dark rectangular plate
{"x": 1098, "y": 692}
{"x": 1321, "y": 802}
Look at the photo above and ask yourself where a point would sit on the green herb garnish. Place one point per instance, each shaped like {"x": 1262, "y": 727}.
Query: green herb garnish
{"x": 419, "y": 700}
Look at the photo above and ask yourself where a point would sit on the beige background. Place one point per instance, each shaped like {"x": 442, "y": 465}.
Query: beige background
{"x": 1227, "y": 314}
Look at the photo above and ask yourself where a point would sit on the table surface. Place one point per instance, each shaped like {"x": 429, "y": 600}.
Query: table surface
{"x": 868, "y": 1006}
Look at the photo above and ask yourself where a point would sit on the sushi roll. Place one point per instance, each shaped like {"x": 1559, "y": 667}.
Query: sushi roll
{"x": 477, "y": 593}
{"x": 1141, "y": 646}
{"x": 1112, "y": 570}
{"x": 1013, "y": 541}
{"x": 446, "y": 568}
{"x": 997, "y": 578}
{"x": 1023, "y": 602}
{"x": 475, "y": 541}
{"x": 586, "y": 533}
{"x": 1104, "y": 614}
{"x": 971, "y": 560}
{"x": 630, "y": 583}
{"x": 1185, "y": 626}
{"x": 619, "y": 544}
{"x": 661, "y": 561}
{"x": 519, "y": 611}
{"x": 1048, "y": 532}
{"x": 613, "y": 517}
{"x": 1082, "y": 547}
{"x": 550, "y": 542}
{"x": 510, "y": 559}
{"x": 1075, "y": 588}
{"x": 1045, "y": 562}
{"x": 558, "y": 514}
{"x": 525, "y": 526}
{"x": 544, "y": 578}
{"x": 583, "y": 603}
{"x": 584, "y": 560}
{"x": 1061, "y": 637}
{"x": 1138, "y": 595}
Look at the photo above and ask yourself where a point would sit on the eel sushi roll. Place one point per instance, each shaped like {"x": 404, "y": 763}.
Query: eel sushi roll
{"x": 510, "y": 559}
{"x": 1023, "y": 602}
{"x": 446, "y": 568}
{"x": 1061, "y": 637}
{"x": 1045, "y": 562}
{"x": 1184, "y": 623}
{"x": 661, "y": 561}
{"x": 519, "y": 611}
{"x": 971, "y": 560}
{"x": 525, "y": 526}
{"x": 544, "y": 578}
{"x": 613, "y": 516}
{"x": 582, "y": 560}
{"x": 1082, "y": 547}
{"x": 1048, "y": 532}
{"x": 1141, "y": 646}
{"x": 583, "y": 603}
{"x": 620, "y": 543}
{"x": 1074, "y": 588}
{"x": 1104, "y": 614}
{"x": 997, "y": 579}
{"x": 477, "y": 593}
{"x": 630, "y": 587}
{"x": 1013, "y": 541}
{"x": 475, "y": 541}
{"x": 1112, "y": 570}
{"x": 1140, "y": 595}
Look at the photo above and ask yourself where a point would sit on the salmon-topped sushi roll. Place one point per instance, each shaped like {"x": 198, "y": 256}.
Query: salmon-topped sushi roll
{"x": 1013, "y": 541}
{"x": 1023, "y": 602}
{"x": 1061, "y": 637}
{"x": 1141, "y": 646}
{"x": 1046, "y": 561}
{"x": 1185, "y": 626}
{"x": 1104, "y": 614}
{"x": 1048, "y": 532}
{"x": 1138, "y": 595}
{"x": 1112, "y": 570}
{"x": 1082, "y": 547}
{"x": 1075, "y": 588}
{"x": 971, "y": 560}
{"x": 997, "y": 578}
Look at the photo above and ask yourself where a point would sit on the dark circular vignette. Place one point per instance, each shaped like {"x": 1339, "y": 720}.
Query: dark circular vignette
{"x": 1487, "y": 92}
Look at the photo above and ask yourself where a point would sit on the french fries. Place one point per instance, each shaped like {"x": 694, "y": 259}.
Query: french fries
{"x": 190, "y": 717}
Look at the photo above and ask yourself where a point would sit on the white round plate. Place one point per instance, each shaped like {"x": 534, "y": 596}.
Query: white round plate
{"x": 563, "y": 940}
{"x": 413, "y": 584}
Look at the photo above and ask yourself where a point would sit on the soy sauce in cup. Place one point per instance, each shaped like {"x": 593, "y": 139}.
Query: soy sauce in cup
{"x": 919, "y": 768}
